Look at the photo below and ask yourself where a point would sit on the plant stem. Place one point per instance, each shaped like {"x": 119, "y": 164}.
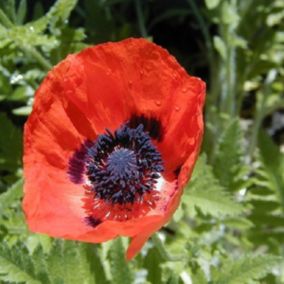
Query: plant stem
{"x": 214, "y": 86}
{"x": 36, "y": 55}
{"x": 140, "y": 17}
{"x": 202, "y": 25}
{"x": 260, "y": 111}
{"x": 228, "y": 75}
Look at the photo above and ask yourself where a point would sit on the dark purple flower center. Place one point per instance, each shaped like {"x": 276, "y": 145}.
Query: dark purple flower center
{"x": 122, "y": 166}
{"x": 122, "y": 163}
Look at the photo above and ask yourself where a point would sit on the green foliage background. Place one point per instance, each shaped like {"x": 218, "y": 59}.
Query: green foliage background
{"x": 229, "y": 228}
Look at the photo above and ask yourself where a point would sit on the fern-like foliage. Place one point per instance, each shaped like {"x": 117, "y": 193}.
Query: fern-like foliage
{"x": 66, "y": 263}
{"x": 206, "y": 194}
{"x": 10, "y": 197}
{"x": 245, "y": 270}
{"x": 120, "y": 269}
{"x": 228, "y": 165}
{"x": 12, "y": 220}
{"x": 16, "y": 266}
{"x": 266, "y": 194}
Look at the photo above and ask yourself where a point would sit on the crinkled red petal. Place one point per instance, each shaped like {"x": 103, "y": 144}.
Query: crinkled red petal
{"x": 98, "y": 88}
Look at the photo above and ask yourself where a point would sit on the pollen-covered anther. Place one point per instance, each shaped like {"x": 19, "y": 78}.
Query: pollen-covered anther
{"x": 122, "y": 170}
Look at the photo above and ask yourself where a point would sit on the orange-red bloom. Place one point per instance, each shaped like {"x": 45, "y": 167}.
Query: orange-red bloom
{"x": 111, "y": 142}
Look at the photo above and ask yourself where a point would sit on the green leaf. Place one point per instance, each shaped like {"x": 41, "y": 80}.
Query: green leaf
{"x": 10, "y": 145}
{"x": 9, "y": 7}
{"x": 4, "y": 20}
{"x": 12, "y": 194}
{"x": 273, "y": 162}
{"x": 220, "y": 46}
{"x": 97, "y": 262}
{"x": 230, "y": 14}
{"x": 59, "y": 12}
{"x": 25, "y": 110}
{"x": 206, "y": 194}
{"x": 62, "y": 9}
{"x": 275, "y": 18}
{"x": 245, "y": 269}
{"x": 228, "y": 164}
{"x": 211, "y": 4}
{"x": 152, "y": 263}
{"x": 120, "y": 270}
{"x": 16, "y": 266}
{"x": 67, "y": 262}
{"x": 199, "y": 277}
{"x": 22, "y": 11}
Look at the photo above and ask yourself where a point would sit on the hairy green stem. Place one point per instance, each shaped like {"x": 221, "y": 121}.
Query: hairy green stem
{"x": 228, "y": 76}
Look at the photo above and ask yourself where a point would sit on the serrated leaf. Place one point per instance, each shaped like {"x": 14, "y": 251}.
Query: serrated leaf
{"x": 207, "y": 194}
{"x": 227, "y": 163}
{"x": 16, "y": 266}
{"x": 273, "y": 162}
{"x": 68, "y": 263}
{"x": 12, "y": 194}
{"x": 120, "y": 269}
{"x": 246, "y": 269}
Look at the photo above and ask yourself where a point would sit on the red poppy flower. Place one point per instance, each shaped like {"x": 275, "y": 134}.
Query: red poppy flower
{"x": 110, "y": 144}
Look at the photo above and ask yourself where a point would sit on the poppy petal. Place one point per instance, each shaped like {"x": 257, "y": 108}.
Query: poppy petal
{"x": 185, "y": 125}
{"x": 133, "y": 87}
{"x": 136, "y": 245}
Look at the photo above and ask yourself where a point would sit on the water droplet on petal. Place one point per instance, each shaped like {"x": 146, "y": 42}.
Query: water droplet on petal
{"x": 141, "y": 72}
{"x": 177, "y": 108}
{"x": 184, "y": 90}
{"x": 130, "y": 83}
{"x": 158, "y": 103}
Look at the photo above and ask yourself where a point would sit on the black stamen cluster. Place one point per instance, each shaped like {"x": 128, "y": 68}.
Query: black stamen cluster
{"x": 123, "y": 165}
